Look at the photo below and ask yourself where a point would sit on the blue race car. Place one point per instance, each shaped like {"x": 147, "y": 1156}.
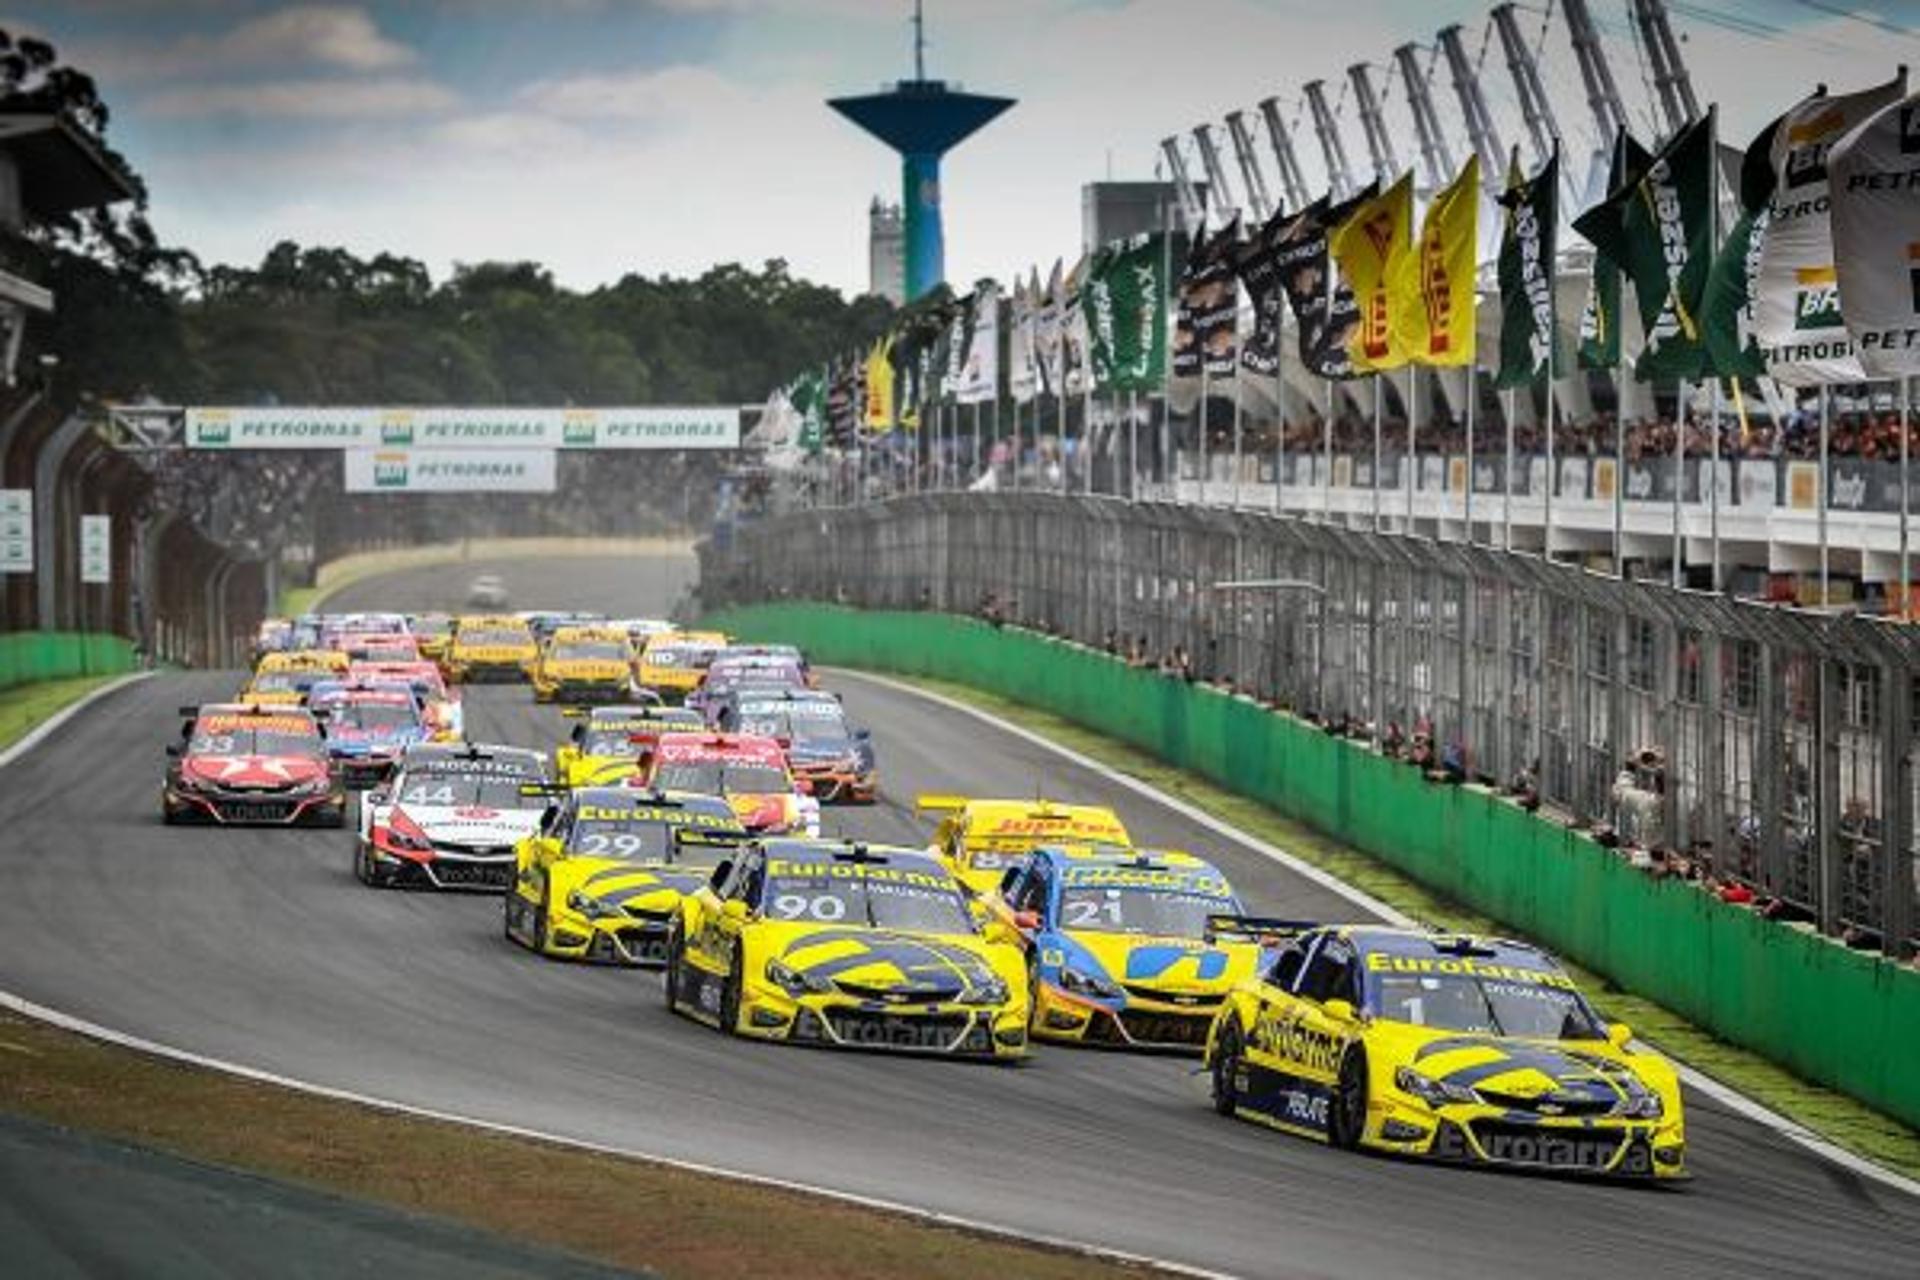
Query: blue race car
{"x": 368, "y": 726}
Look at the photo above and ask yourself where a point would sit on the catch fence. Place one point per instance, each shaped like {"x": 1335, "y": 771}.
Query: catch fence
{"x": 1778, "y": 741}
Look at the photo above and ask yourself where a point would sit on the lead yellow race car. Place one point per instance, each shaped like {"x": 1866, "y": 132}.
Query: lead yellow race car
{"x": 490, "y": 647}
{"x": 980, "y": 839}
{"x": 1463, "y": 1049}
{"x": 604, "y": 875}
{"x": 844, "y": 944}
{"x": 608, "y": 744}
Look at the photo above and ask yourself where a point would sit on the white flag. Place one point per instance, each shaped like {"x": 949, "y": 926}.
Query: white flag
{"x": 1797, "y": 308}
{"x": 1076, "y": 344}
{"x": 1046, "y": 331}
{"x": 1875, "y": 174}
{"x": 1023, "y": 371}
{"x": 979, "y": 378}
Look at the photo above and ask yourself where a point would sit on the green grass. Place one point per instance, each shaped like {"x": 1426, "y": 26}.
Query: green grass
{"x": 1836, "y": 1117}
{"x": 24, "y": 706}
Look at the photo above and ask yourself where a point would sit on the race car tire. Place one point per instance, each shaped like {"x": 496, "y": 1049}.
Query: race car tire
{"x": 730, "y": 1002}
{"x": 363, "y": 867}
{"x": 509, "y": 905}
{"x": 539, "y": 930}
{"x": 1226, "y": 1071}
{"x": 1033, "y": 990}
{"x": 1347, "y": 1117}
{"x": 670, "y": 977}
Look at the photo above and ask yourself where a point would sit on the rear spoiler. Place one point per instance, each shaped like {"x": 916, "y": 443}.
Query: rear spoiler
{"x": 1261, "y": 929}
{"x": 934, "y": 802}
{"x": 544, "y": 789}
{"x": 716, "y": 839}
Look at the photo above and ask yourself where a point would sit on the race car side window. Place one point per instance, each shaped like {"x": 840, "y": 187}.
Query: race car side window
{"x": 1032, "y": 893}
{"x": 1286, "y": 969}
{"x": 1331, "y": 974}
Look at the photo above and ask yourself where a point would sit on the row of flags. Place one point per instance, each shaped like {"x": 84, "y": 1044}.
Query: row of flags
{"x": 1815, "y": 278}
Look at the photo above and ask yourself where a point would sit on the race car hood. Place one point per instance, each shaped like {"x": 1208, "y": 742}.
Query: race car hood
{"x": 817, "y": 751}
{"x": 670, "y": 677}
{"x": 273, "y": 697}
{"x": 600, "y": 771}
{"x": 585, "y": 669}
{"x": 473, "y": 825}
{"x": 345, "y": 741}
{"x": 1168, "y": 966}
{"x": 1539, "y": 1076}
{"x": 493, "y": 652}
{"x": 634, "y": 887}
{"x": 883, "y": 964}
{"x": 253, "y": 771}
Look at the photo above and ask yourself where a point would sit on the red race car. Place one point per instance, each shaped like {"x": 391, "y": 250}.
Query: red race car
{"x": 748, "y": 771}
{"x": 237, "y": 764}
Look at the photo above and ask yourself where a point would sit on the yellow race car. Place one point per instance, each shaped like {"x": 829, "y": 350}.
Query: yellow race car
{"x": 1120, "y": 949}
{"x": 282, "y": 679}
{"x": 603, "y": 877}
{"x": 584, "y": 664}
{"x": 610, "y": 743}
{"x": 490, "y": 647}
{"x": 844, "y": 944}
{"x": 1465, "y": 1049}
{"x": 980, "y": 839}
{"x": 673, "y": 663}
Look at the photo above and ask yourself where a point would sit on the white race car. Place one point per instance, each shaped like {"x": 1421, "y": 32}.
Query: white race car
{"x": 451, "y": 816}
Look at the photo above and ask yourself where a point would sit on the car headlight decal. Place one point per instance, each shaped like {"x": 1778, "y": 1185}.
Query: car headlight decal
{"x": 1082, "y": 983}
{"x": 1433, "y": 1092}
{"x": 794, "y": 982}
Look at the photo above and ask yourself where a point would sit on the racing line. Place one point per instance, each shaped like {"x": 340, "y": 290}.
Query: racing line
{"x": 259, "y": 947}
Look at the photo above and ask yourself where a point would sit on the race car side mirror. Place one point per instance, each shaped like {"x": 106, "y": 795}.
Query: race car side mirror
{"x": 721, "y": 871}
{"x": 173, "y": 751}
{"x": 1618, "y": 1034}
{"x": 1339, "y": 1010}
{"x": 1001, "y": 934}
{"x": 734, "y": 910}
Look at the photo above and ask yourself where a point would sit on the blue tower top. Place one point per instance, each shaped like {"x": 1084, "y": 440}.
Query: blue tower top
{"x": 921, "y": 119}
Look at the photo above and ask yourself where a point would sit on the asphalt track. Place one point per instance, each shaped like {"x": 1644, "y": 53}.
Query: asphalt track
{"x": 259, "y": 947}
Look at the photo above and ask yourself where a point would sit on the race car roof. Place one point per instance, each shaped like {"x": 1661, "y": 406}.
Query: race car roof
{"x": 719, "y": 746}
{"x": 213, "y": 719}
{"x": 829, "y": 852}
{"x": 441, "y": 757}
{"x": 671, "y": 807}
{"x": 1419, "y": 943}
{"x": 1038, "y": 818}
{"x": 1109, "y": 855}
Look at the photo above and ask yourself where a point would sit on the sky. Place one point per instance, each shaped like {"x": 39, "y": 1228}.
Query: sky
{"x": 607, "y": 137}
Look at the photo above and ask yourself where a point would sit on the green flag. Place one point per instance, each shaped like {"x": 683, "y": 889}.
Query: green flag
{"x": 1600, "y": 321}
{"x": 1529, "y": 333}
{"x": 1660, "y": 228}
{"x": 1125, "y": 300}
{"x": 1727, "y": 311}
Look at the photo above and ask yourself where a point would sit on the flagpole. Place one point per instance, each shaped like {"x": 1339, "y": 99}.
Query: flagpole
{"x": 978, "y": 457}
{"x": 1133, "y": 444}
{"x": 1326, "y": 453}
{"x": 1906, "y": 578}
{"x": 1086, "y": 430}
{"x": 1678, "y": 573}
{"x": 1201, "y": 415}
{"x": 1473, "y": 394}
{"x": 1377, "y": 398}
{"x": 1713, "y": 484}
{"x": 1239, "y": 383}
{"x": 1553, "y": 467}
{"x": 1506, "y": 485}
{"x": 1413, "y": 442}
{"x": 1620, "y": 474}
{"x": 1280, "y": 402}
{"x": 1826, "y": 401}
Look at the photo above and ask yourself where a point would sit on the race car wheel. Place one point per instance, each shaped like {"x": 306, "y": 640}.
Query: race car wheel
{"x": 670, "y": 978}
{"x": 1347, "y": 1117}
{"x": 1226, "y": 1071}
{"x": 1033, "y": 990}
{"x": 540, "y": 921}
{"x": 364, "y": 867}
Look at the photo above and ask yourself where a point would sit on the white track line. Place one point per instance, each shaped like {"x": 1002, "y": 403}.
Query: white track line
{"x": 1725, "y": 1095}
{"x": 40, "y": 732}
{"x": 932, "y": 1217}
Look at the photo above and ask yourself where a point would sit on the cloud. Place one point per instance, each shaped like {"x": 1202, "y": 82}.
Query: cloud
{"x": 381, "y": 99}
{"x": 649, "y": 97}
{"x": 339, "y": 37}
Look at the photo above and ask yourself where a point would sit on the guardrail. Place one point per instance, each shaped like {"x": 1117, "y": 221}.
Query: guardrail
{"x": 30, "y": 656}
{"x": 1764, "y": 745}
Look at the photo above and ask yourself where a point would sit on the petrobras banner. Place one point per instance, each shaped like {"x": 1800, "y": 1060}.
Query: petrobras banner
{"x": 415, "y": 470}
{"x": 1875, "y": 175}
{"x": 295, "y": 427}
{"x": 1798, "y": 310}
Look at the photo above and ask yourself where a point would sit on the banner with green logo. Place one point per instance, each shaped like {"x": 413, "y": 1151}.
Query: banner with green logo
{"x": 448, "y": 470}
{"x": 295, "y": 427}
{"x": 1125, "y": 301}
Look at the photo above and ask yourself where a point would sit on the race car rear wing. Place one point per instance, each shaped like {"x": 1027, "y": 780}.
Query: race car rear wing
{"x": 933, "y": 802}
{"x": 715, "y": 839}
{"x": 1266, "y": 930}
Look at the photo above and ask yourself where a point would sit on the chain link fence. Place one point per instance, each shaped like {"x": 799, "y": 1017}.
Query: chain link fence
{"x": 1762, "y": 745}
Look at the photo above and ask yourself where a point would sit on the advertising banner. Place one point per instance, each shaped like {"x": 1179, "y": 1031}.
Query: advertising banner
{"x": 448, "y": 470}
{"x": 297, "y": 427}
{"x": 96, "y": 549}
{"x": 16, "y": 531}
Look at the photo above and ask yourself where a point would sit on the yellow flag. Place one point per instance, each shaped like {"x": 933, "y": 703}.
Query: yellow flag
{"x": 1433, "y": 297}
{"x": 879, "y": 414}
{"x": 1371, "y": 247}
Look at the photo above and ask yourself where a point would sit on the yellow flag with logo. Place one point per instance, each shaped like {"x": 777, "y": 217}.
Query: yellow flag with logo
{"x": 1371, "y": 247}
{"x": 1434, "y": 302}
{"x": 879, "y": 407}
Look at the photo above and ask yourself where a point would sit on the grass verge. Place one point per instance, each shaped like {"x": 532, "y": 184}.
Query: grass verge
{"x": 1833, "y": 1116}
{"x": 25, "y": 706}
{"x": 718, "y": 1229}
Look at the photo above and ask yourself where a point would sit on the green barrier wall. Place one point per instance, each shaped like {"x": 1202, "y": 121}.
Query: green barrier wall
{"x": 29, "y": 656}
{"x": 1840, "y": 1017}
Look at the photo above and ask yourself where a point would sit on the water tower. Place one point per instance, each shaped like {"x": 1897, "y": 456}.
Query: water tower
{"x": 922, "y": 119}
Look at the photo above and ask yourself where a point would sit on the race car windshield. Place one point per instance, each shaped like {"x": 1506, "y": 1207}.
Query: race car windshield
{"x": 432, "y": 626}
{"x": 590, "y": 651}
{"x": 645, "y": 839}
{"x": 374, "y": 715}
{"x": 480, "y": 791}
{"x": 721, "y": 777}
{"x": 1484, "y": 1006}
{"x": 1168, "y": 913}
{"x": 284, "y": 681}
{"x": 803, "y": 723}
{"x": 680, "y": 657}
{"x": 611, "y": 742}
{"x": 912, "y": 906}
{"x": 503, "y": 635}
{"x": 255, "y": 742}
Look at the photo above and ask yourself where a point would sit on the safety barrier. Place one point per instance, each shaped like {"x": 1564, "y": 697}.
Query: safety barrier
{"x": 30, "y": 656}
{"x": 1829, "y": 1014}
